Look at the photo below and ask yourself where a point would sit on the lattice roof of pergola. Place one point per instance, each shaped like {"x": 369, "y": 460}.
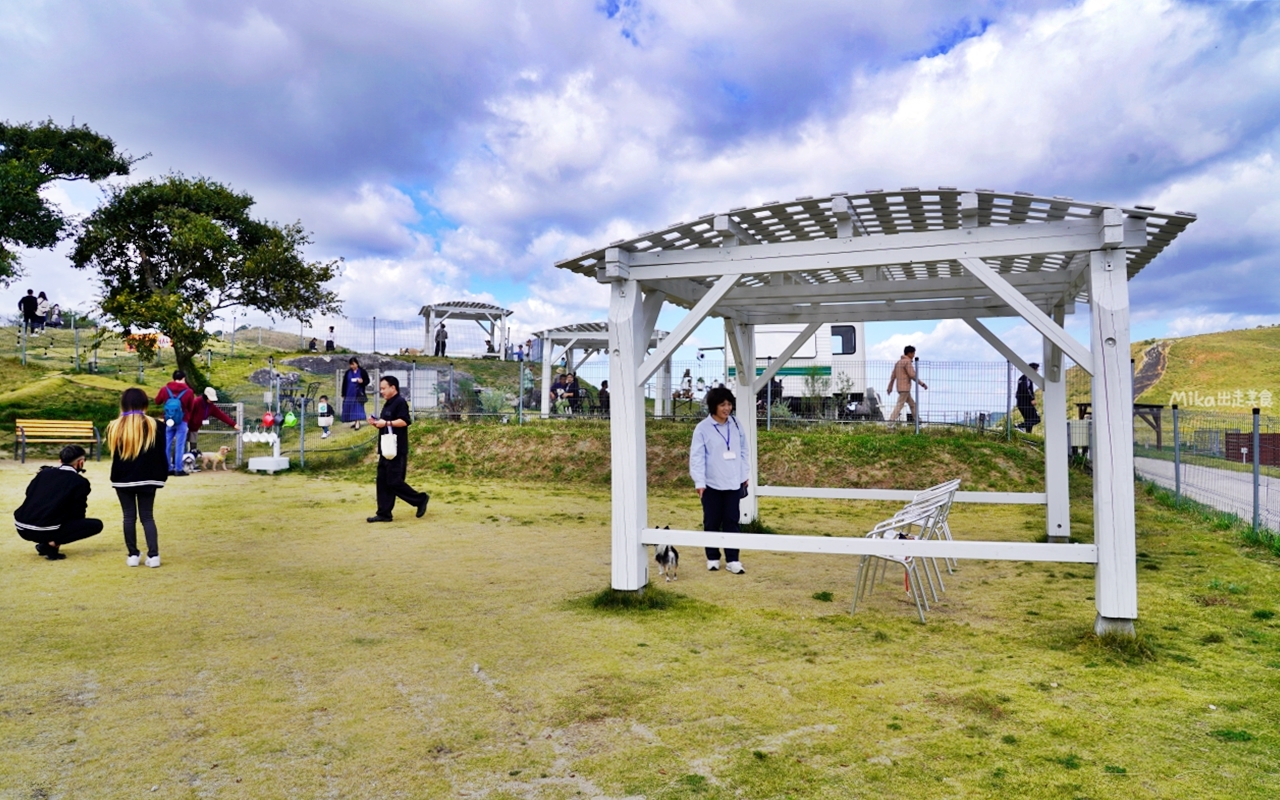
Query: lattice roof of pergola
{"x": 587, "y": 335}
{"x": 466, "y": 309}
{"x": 867, "y": 256}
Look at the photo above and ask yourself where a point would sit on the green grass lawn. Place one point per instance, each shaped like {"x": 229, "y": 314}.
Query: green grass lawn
{"x": 287, "y": 649}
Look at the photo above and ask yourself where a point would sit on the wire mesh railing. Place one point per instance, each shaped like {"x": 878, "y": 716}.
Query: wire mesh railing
{"x": 1224, "y": 459}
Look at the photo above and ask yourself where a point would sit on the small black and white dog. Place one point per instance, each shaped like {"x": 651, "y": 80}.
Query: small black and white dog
{"x": 668, "y": 559}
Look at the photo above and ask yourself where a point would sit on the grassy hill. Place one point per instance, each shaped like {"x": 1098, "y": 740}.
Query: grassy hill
{"x": 1244, "y": 360}
{"x": 578, "y": 454}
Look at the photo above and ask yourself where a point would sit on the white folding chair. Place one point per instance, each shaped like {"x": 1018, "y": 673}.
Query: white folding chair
{"x": 898, "y": 526}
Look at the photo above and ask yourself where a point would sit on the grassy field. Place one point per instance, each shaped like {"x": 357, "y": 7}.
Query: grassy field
{"x": 287, "y": 649}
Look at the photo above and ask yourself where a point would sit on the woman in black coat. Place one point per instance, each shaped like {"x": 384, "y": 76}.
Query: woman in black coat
{"x": 355, "y": 383}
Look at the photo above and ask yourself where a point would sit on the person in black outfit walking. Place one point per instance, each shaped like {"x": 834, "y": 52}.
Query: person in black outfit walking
{"x": 1025, "y": 396}
{"x": 53, "y": 513}
{"x": 392, "y": 471}
{"x": 28, "y": 306}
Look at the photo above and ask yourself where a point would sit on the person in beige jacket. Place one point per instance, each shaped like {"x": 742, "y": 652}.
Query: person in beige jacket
{"x": 904, "y": 372}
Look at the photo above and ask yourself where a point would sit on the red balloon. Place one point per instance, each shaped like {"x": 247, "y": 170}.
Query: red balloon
{"x": 268, "y": 419}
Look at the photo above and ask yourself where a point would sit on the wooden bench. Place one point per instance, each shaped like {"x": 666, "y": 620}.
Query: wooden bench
{"x": 55, "y": 431}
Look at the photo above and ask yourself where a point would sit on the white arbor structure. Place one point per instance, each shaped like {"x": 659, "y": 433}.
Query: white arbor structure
{"x": 491, "y": 319}
{"x": 910, "y": 254}
{"x": 579, "y": 342}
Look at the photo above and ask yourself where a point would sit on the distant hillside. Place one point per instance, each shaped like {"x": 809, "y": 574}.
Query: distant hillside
{"x": 1202, "y": 367}
{"x": 1211, "y": 364}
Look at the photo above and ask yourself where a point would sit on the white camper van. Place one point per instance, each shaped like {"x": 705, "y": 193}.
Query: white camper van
{"x": 833, "y": 360}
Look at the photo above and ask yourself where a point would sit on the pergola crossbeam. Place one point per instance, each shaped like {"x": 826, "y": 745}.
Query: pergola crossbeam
{"x": 783, "y": 357}
{"x": 1028, "y": 311}
{"x": 686, "y": 327}
{"x": 859, "y": 546}
{"x": 1006, "y": 351}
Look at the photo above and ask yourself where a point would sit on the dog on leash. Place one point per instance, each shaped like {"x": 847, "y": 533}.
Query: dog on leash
{"x": 214, "y": 460}
{"x": 668, "y": 559}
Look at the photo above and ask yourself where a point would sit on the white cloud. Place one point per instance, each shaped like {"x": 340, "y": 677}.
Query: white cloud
{"x": 1193, "y": 324}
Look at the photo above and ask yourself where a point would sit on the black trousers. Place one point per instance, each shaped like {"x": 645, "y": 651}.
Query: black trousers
{"x": 70, "y": 532}
{"x": 720, "y": 512}
{"x": 139, "y": 504}
{"x": 440, "y": 349}
{"x": 391, "y": 474}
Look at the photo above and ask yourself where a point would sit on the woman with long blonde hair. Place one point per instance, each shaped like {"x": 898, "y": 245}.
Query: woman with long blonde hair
{"x": 138, "y": 468}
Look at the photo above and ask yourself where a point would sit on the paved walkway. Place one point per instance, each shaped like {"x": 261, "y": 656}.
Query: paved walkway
{"x": 1222, "y": 489}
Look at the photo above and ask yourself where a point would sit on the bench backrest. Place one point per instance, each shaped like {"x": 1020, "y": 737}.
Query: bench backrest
{"x": 59, "y": 429}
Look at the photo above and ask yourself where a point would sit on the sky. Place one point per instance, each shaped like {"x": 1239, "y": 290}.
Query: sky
{"x": 456, "y": 150}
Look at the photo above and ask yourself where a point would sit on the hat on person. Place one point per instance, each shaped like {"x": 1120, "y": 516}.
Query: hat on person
{"x": 211, "y": 394}
{"x": 560, "y": 371}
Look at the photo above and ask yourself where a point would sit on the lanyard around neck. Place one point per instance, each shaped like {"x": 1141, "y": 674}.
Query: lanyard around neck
{"x": 728, "y": 434}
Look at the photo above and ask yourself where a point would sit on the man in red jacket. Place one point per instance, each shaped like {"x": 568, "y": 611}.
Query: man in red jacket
{"x": 178, "y": 401}
{"x": 201, "y": 410}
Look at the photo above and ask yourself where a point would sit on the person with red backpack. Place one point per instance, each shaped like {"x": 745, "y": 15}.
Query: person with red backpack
{"x": 178, "y": 402}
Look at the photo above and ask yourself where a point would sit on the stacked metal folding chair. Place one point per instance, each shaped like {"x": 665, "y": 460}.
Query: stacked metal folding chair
{"x": 924, "y": 518}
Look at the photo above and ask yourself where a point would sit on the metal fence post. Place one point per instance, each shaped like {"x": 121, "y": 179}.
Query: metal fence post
{"x": 768, "y": 408}
{"x": 76, "y": 333}
{"x": 1008, "y": 400}
{"x": 375, "y": 335}
{"x": 917, "y": 414}
{"x": 520, "y": 396}
{"x": 1177, "y": 460}
{"x": 1257, "y": 462}
{"x": 302, "y": 433}
{"x": 239, "y": 433}
{"x": 24, "y": 341}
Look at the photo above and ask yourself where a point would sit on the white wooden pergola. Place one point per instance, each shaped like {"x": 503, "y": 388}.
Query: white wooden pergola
{"x": 581, "y": 341}
{"x": 491, "y": 319}
{"x": 910, "y": 254}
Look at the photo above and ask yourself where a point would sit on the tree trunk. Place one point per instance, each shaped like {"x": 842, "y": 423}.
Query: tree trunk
{"x": 196, "y": 379}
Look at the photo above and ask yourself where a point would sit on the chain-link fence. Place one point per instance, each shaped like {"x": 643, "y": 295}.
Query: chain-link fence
{"x": 1224, "y": 459}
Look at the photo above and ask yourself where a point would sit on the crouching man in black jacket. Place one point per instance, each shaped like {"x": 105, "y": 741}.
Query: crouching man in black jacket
{"x": 54, "y": 512}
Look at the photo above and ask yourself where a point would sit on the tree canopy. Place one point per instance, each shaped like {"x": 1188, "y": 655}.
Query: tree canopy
{"x": 173, "y": 253}
{"x": 32, "y": 156}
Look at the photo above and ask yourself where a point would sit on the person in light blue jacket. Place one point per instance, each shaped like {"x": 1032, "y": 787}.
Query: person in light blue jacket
{"x": 720, "y": 471}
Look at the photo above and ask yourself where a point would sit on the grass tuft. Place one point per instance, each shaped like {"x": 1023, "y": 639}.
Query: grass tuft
{"x": 757, "y": 525}
{"x": 1137, "y": 649}
{"x": 648, "y": 598}
{"x": 1229, "y": 735}
{"x": 827, "y": 597}
{"x": 1263, "y": 613}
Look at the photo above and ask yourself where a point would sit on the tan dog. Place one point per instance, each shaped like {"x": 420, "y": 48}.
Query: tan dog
{"x": 218, "y": 458}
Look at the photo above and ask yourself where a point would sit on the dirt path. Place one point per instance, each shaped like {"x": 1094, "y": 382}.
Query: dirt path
{"x": 1152, "y": 370}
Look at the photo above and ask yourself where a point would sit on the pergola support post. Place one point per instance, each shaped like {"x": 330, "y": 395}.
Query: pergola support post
{"x": 662, "y": 405}
{"x": 547, "y": 347}
{"x": 742, "y": 339}
{"x": 628, "y": 335}
{"x": 1056, "y": 480}
{"x": 1116, "y": 581}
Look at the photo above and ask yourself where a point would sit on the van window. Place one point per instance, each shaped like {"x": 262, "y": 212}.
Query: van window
{"x": 844, "y": 340}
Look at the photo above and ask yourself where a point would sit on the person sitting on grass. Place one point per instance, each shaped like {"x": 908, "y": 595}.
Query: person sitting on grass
{"x": 53, "y": 513}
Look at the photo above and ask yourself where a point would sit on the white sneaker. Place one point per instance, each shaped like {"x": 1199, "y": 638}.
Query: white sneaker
{"x": 133, "y": 561}
{"x": 735, "y": 567}
{"x": 713, "y": 566}
{"x": 324, "y": 435}
{"x": 153, "y": 561}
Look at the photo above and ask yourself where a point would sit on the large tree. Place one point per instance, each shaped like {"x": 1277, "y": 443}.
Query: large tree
{"x": 33, "y": 156}
{"x": 171, "y": 254}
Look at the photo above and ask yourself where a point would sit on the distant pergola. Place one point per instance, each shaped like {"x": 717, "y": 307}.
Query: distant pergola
{"x": 491, "y": 319}
{"x": 910, "y": 254}
{"x": 583, "y": 340}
